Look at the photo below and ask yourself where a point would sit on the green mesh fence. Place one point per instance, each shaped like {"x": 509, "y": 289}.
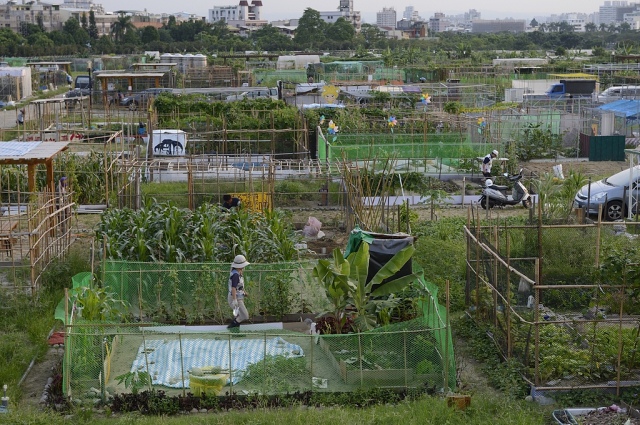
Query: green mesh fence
{"x": 193, "y": 293}
{"x": 389, "y": 74}
{"x": 270, "y": 77}
{"x": 180, "y": 360}
{"x": 454, "y": 149}
{"x": 99, "y": 356}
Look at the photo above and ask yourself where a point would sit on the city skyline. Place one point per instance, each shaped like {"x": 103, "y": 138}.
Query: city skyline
{"x": 291, "y": 9}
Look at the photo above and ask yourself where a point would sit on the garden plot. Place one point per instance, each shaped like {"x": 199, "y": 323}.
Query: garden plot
{"x": 388, "y": 359}
{"x": 259, "y": 362}
{"x": 166, "y": 361}
{"x": 584, "y": 331}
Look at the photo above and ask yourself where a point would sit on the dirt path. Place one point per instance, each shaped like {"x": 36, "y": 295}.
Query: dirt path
{"x": 33, "y": 386}
{"x": 469, "y": 372}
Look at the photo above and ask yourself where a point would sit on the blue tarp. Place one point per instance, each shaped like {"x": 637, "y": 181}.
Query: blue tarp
{"x": 167, "y": 361}
{"x": 627, "y": 107}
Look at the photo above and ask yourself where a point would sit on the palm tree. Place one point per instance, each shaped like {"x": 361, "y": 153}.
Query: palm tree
{"x": 120, "y": 27}
{"x": 603, "y": 27}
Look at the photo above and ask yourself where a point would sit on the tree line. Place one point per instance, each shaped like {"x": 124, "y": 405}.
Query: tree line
{"x": 81, "y": 38}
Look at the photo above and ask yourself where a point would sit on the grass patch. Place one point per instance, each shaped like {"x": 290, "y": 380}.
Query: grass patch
{"x": 25, "y": 321}
{"x": 428, "y": 410}
{"x": 25, "y": 324}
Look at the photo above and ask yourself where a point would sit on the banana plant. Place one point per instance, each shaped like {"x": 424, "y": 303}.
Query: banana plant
{"x": 363, "y": 297}
{"x": 345, "y": 283}
{"x": 334, "y": 278}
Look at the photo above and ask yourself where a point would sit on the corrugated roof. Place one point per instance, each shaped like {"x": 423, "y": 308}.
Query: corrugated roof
{"x": 627, "y": 107}
{"x": 158, "y": 74}
{"x": 29, "y": 152}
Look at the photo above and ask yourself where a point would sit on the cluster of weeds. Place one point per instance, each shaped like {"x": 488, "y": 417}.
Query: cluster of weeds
{"x": 156, "y": 402}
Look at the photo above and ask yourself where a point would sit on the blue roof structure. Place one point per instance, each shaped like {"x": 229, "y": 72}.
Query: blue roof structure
{"x": 627, "y": 107}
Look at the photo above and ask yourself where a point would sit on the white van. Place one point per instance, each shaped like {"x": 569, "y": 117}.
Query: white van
{"x": 619, "y": 92}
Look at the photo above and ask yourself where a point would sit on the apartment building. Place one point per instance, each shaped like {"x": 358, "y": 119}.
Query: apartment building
{"x": 386, "y": 18}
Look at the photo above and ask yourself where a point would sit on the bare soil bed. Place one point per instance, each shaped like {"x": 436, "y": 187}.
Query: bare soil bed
{"x": 595, "y": 170}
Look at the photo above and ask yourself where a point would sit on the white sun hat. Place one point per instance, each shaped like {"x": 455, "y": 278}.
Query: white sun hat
{"x": 240, "y": 262}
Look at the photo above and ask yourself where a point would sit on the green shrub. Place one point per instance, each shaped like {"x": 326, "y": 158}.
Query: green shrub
{"x": 287, "y": 191}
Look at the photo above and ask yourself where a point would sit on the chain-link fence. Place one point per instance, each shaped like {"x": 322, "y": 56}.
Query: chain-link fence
{"x": 559, "y": 299}
{"x": 103, "y": 358}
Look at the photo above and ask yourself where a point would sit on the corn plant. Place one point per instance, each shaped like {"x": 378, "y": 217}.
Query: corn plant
{"x": 206, "y": 228}
{"x": 276, "y": 296}
{"x": 176, "y": 306}
{"x": 98, "y": 304}
{"x": 164, "y": 232}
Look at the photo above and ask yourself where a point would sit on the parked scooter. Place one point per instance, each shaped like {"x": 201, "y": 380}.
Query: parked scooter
{"x": 496, "y": 196}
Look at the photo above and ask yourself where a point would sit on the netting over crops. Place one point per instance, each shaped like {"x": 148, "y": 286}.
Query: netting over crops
{"x": 260, "y": 357}
{"x": 197, "y": 292}
{"x": 452, "y": 149}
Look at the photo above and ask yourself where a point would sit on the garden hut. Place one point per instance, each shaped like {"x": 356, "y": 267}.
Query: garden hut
{"x": 34, "y": 226}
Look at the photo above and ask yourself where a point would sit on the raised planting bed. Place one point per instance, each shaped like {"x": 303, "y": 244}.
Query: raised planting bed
{"x": 358, "y": 370}
{"x": 594, "y": 416}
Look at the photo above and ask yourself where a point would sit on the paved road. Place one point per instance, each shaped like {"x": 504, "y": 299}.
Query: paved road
{"x": 8, "y": 117}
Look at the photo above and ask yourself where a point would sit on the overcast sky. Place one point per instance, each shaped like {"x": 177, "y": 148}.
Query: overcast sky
{"x": 281, "y": 9}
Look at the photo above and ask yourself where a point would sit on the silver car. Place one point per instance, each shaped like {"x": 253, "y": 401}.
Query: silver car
{"x": 611, "y": 193}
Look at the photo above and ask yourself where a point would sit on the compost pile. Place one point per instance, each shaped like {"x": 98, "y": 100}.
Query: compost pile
{"x": 606, "y": 417}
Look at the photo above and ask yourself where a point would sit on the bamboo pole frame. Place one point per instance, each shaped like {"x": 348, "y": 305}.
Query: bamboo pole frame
{"x": 494, "y": 255}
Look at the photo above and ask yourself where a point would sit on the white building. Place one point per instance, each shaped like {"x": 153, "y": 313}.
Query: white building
{"x": 386, "y": 18}
{"x": 633, "y": 19}
{"x": 410, "y": 14}
{"x": 345, "y": 10}
{"x": 471, "y": 15}
{"x": 608, "y": 11}
{"x": 240, "y": 15}
{"x": 576, "y": 20}
{"x": 12, "y": 14}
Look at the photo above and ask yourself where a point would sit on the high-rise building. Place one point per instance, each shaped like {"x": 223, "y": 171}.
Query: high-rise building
{"x": 438, "y": 23}
{"x": 408, "y": 11}
{"x": 614, "y": 11}
{"x": 386, "y": 18}
{"x": 471, "y": 15}
{"x": 410, "y": 14}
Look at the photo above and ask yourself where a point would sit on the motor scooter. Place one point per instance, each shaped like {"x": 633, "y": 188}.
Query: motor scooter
{"x": 495, "y": 196}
